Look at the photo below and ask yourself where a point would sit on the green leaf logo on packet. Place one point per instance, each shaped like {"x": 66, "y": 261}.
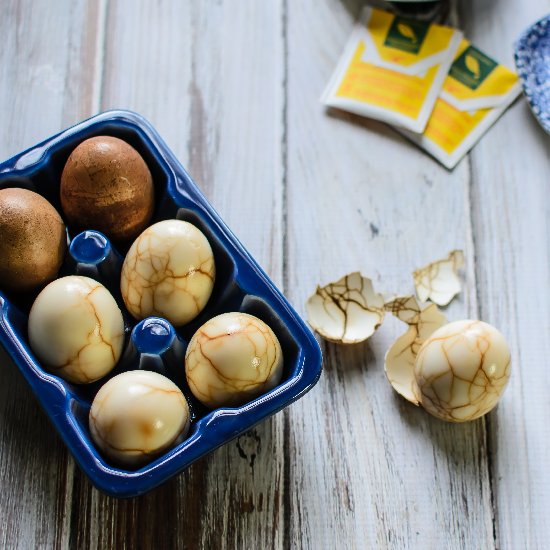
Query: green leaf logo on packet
{"x": 472, "y": 67}
{"x": 407, "y": 32}
{"x": 406, "y": 35}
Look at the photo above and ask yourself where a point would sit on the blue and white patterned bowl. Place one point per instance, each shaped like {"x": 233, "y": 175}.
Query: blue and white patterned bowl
{"x": 532, "y": 53}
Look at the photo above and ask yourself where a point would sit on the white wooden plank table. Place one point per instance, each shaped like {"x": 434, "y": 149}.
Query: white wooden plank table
{"x": 233, "y": 87}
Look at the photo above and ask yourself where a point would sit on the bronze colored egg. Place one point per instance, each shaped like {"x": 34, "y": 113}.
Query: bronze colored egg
{"x": 32, "y": 240}
{"x": 107, "y": 186}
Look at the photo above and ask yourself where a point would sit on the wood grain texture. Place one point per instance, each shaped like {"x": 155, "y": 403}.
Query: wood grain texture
{"x": 368, "y": 467}
{"x": 233, "y": 87}
{"x": 191, "y": 69}
{"x": 510, "y": 217}
{"x": 45, "y": 85}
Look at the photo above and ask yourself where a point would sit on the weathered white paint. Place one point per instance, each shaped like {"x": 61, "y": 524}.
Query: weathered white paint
{"x": 233, "y": 88}
{"x": 46, "y": 63}
{"x": 510, "y": 210}
{"x": 371, "y": 468}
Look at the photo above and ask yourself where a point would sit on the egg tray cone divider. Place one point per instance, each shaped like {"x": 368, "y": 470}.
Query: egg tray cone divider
{"x": 240, "y": 285}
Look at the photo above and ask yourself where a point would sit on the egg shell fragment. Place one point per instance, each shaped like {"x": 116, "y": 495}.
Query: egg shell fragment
{"x": 137, "y": 416}
{"x": 439, "y": 281}
{"x": 347, "y": 311}
{"x": 168, "y": 272}
{"x": 232, "y": 359}
{"x": 76, "y": 329}
{"x": 462, "y": 370}
{"x": 401, "y": 357}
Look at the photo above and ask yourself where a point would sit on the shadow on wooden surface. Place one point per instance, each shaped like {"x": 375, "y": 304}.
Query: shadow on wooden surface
{"x": 368, "y": 124}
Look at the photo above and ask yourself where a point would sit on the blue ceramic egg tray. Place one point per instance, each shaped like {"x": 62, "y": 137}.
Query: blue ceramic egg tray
{"x": 153, "y": 344}
{"x": 532, "y": 53}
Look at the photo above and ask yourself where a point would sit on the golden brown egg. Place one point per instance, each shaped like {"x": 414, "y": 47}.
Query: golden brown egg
{"x": 106, "y": 185}
{"x": 32, "y": 240}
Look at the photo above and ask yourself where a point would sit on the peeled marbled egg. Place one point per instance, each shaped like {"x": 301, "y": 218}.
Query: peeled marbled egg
{"x": 168, "y": 272}
{"x": 137, "y": 416}
{"x": 32, "y": 240}
{"x": 76, "y": 329}
{"x": 461, "y": 370}
{"x": 106, "y": 185}
{"x": 232, "y": 359}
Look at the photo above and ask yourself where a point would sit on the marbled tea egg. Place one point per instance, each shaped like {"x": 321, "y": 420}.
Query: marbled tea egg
{"x": 232, "y": 359}
{"x": 461, "y": 370}
{"x": 137, "y": 416}
{"x": 76, "y": 329}
{"x": 168, "y": 272}
{"x": 106, "y": 185}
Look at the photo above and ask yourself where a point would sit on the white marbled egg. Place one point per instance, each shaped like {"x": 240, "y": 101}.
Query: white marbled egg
{"x": 76, "y": 329}
{"x": 232, "y": 359}
{"x": 461, "y": 370}
{"x": 168, "y": 272}
{"x": 137, "y": 416}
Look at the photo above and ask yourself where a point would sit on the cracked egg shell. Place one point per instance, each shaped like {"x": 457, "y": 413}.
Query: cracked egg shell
{"x": 461, "y": 370}
{"x": 401, "y": 357}
{"x": 232, "y": 359}
{"x": 76, "y": 329}
{"x": 106, "y": 185}
{"x": 439, "y": 281}
{"x": 347, "y": 311}
{"x": 168, "y": 272}
{"x": 137, "y": 416}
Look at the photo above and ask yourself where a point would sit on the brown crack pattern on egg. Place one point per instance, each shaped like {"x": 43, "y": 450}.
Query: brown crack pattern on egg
{"x": 347, "y": 311}
{"x": 232, "y": 359}
{"x": 137, "y": 416}
{"x": 169, "y": 271}
{"x": 76, "y": 329}
{"x": 462, "y": 370}
{"x": 439, "y": 281}
{"x": 401, "y": 357}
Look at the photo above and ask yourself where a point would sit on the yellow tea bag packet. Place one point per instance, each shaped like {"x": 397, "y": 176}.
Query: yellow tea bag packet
{"x": 474, "y": 95}
{"x": 392, "y": 69}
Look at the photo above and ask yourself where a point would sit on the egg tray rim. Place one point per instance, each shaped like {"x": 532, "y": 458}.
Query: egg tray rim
{"x": 219, "y": 426}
